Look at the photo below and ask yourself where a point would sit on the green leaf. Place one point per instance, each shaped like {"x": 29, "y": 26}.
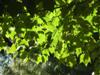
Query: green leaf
{"x": 56, "y": 36}
{"x": 12, "y": 49}
{"x": 41, "y": 39}
{"x": 87, "y": 60}
{"x": 57, "y": 55}
{"x": 65, "y": 54}
{"x": 78, "y": 51}
{"x": 82, "y": 56}
{"x": 45, "y": 52}
{"x": 50, "y": 27}
{"x": 11, "y": 35}
{"x": 64, "y": 51}
{"x": 49, "y": 16}
{"x": 39, "y": 20}
{"x": 45, "y": 58}
{"x": 52, "y": 49}
{"x": 55, "y": 21}
{"x": 39, "y": 59}
{"x": 69, "y": 1}
{"x": 24, "y": 42}
{"x": 70, "y": 64}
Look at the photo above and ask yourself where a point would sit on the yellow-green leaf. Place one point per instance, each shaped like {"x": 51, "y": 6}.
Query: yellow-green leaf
{"x": 78, "y": 51}
{"x": 12, "y": 49}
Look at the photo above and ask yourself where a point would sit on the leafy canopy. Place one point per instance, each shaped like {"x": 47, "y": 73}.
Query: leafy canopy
{"x": 40, "y": 28}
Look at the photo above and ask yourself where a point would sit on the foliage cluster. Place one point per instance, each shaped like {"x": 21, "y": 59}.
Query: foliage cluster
{"x": 37, "y": 30}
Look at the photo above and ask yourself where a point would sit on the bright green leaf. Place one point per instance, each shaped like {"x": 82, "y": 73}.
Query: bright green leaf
{"x": 82, "y": 58}
{"x": 78, "y": 51}
{"x": 39, "y": 59}
{"x": 12, "y": 49}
